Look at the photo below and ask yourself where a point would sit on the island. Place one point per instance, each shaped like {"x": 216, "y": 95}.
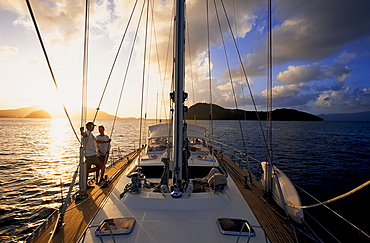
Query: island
{"x": 39, "y": 114}
{"x": 201, "y": 111}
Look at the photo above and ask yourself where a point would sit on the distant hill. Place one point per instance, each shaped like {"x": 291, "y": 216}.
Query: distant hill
{"x": 17, "y": 113}
{"x": 35, "y": 112}
{"x": 39, "y": 114}
{"x": 91, "y": 113}
{"x": 201, "y": 111}
{"x": 360, "y": 116}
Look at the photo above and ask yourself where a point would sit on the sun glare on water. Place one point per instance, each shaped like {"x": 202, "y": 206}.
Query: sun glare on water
{"x": 60, "y": 155}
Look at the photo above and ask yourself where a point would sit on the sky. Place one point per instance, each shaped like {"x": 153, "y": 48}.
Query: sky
{"x": 321, "y": 55}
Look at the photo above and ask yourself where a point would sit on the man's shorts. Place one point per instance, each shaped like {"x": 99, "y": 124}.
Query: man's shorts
{"x": 92, "y": 160}
{"x": 102, "y": 158}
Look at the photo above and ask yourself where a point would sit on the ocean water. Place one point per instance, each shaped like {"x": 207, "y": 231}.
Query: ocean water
{"x": 326, "y": 159}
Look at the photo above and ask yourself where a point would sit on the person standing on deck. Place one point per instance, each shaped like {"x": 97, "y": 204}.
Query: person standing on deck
{"x": 88, "y": 140}
{"x": 103, "y": 144}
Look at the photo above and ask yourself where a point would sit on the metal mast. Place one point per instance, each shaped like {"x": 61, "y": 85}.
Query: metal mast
{"x": 83, "y": 175}
{"x": 268, "y": 188}
{"x": 178, "y": 94}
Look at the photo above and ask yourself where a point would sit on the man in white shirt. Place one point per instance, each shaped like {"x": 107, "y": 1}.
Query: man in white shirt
{"x": 91, "y": 154}
{"x": 103, "y": 145}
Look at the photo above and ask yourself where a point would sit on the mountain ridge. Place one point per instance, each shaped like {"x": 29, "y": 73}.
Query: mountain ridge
{"x": 36, "y": 112}
{"x": 201, "y": 111}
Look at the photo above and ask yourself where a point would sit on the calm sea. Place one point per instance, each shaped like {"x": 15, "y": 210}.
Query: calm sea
{"x": 327, "y": 159}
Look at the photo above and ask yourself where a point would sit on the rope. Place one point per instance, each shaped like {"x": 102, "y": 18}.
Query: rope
{"x": 49, "y": 65}
{"x": 333, "y": 199}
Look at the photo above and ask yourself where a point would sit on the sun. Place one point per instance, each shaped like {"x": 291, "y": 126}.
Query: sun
{"x": 55, "y": 107}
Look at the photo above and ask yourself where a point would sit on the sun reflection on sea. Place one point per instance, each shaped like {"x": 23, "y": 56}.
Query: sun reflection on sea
{"x": 60, "y": 152}
{"x": 60, "y": 139}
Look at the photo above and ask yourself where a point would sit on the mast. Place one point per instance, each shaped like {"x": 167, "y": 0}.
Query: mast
{"x": 268, "y": 188}
{"x": 83, "y": 175}
{"x": 178, "y": 94}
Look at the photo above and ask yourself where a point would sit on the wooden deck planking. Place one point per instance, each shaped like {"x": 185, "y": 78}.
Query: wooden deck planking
{"x": 272, "y": 223}
{"x": 79, "y": 214}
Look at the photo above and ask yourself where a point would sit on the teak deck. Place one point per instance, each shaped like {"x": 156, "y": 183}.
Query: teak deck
{"x": 79, "y": 215}
{"x": 273, "y": 224}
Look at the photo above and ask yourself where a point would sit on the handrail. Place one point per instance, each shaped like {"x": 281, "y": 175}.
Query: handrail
{"x": 251, "y": 169}
{"x": 110, "y": 230}
{"x": 249, "y": 232}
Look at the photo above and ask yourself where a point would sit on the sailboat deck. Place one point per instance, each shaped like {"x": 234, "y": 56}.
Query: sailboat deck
{"x": 79, "y": 214}
{"x": 273, "y": 224}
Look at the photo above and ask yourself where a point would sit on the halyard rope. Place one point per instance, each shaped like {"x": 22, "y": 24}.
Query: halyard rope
{"x": 333, "y": 199}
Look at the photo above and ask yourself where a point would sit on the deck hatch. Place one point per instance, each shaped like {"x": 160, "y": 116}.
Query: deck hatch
{"x": 118, "y": 226}
{"x": 230, "y": 226}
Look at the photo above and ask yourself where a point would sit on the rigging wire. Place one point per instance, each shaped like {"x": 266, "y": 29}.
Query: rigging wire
{"x": 154, "y": 33}
{"x": 168, "y": 54}
{"x": 231, "y": 82}
{"x": 209, "y": 72}
{"x": 143, "y": 74}
{"x": 241, "y": 76}
{"x": 190, "y": 59}
{"x": 50, "y": 68}
{"x": 124, "y": 81}
{"x": 332, "y": 200}
{"x": 168, "y": 57}
{"x": 190, "y": 64}
{"x": 245, "y": 74}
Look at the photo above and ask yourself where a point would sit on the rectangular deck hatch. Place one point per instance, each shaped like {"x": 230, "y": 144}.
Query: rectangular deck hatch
{"x": 230, "y": 226}
{"x": 118, "y": 226}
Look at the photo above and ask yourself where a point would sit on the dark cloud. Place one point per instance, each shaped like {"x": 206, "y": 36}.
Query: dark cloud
{"x": 345, "y": 99}
{"x": 313, "y": 30}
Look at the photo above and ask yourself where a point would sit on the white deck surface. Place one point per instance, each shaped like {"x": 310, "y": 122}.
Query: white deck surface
{"x": 165, "y": 219}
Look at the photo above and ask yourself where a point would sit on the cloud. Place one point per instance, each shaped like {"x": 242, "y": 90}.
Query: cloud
{"x": 283, "y": 91}
{"x": 300, "y": 74}
{"x": 345, "y": 99}
{"x": 316, "y": 33}
{"x": 8, "y": 50}
{"x": 302, "y": 33}
{"x": 314, "y": 72}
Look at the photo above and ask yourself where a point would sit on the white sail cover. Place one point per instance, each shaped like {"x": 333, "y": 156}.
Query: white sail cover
{"x": 163, "y": 130}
